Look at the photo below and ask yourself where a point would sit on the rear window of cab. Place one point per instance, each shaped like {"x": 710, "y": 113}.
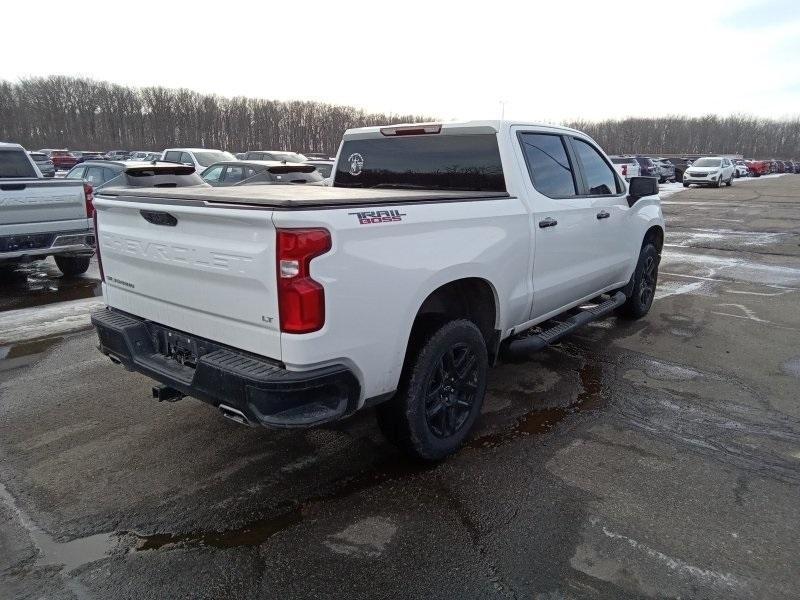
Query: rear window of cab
{"x": 436, "y": 162}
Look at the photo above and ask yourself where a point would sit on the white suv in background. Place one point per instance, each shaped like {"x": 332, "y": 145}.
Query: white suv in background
{"x": 710, "y": 170}
{"x": 199, "y": 158}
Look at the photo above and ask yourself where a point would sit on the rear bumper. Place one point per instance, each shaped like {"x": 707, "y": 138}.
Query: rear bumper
{"x": 261, "y": 390}
{"x": 23, "y": 247}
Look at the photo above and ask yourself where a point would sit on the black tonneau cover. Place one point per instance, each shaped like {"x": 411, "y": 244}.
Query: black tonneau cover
{"x": 292, "y": 196}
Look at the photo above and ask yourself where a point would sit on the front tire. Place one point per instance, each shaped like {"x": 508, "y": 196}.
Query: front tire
{"x": 643, "y": 283}
{"x": 730, "y": 181}
{"x": 72, "y": 266}
{"x": 440, "y": 395}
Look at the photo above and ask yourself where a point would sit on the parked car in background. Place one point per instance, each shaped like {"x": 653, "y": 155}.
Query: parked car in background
{"x": 627, "y": 166}
{"x": 199, "y": 158}
{"x": 647, "y": 167}
{"x": 89, "y": 155}
{"x": 324, "y": 167}
{"x": 666, "y": 169}
{"x": 117, "y": 154}
{"x": 41, "y": 218}
{"x": 252, "y": 172}
{"x": 757, "y": 168}
{"x": 62, "y": 159}
{"x": 710, "y": 171}
{"x": 680, "y": 165}
{"x": 138, "y": 155}
{"x": 796, "y": 166}
{"x": 740, "y": 168}
{"x": 103, "y": 173}
{"x": 278, "y": 155}
{"x": 788, "y": 166}
{"x": 318, "y": 156}
{"x": 43, "y": 162}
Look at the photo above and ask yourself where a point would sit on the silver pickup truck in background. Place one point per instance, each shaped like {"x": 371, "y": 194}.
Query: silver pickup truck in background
{"x": 43, "y": 217}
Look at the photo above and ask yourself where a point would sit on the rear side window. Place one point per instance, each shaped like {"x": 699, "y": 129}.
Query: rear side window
{"x": 600, "y": 178}
{"x": 548, "y": 164}
{"x": 15, "y": 163}
{"x": 436, "y": 162}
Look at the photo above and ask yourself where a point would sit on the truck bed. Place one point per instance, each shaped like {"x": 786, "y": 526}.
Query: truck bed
{"x": 287, "y": 197}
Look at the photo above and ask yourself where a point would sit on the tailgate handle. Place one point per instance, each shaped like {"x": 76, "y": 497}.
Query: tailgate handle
{"x": 158, "y": 218}
{"x": 12, "y": 187}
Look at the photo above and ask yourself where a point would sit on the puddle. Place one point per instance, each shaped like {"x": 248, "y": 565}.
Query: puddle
{"x": 41, "y": 283}
{"x": 14, "y": 356}
{"x": 70, "y": 555}
{"x": 257, "y": 532}
{"x": 543, "y": 420}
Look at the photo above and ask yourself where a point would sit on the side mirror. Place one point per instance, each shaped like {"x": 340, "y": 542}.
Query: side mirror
{"x": 640, "y": 187}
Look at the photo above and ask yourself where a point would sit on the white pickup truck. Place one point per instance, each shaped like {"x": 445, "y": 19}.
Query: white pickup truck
{"x": 437, "y": 249}
{"x": 42, "y": 217}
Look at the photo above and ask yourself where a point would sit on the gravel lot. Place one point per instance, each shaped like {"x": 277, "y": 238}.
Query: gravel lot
{"x": 658, "y": 458}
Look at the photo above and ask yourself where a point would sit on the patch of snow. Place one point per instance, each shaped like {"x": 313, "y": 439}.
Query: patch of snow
{"x": 46, "y": 321}
{"x": 368, "y": 537}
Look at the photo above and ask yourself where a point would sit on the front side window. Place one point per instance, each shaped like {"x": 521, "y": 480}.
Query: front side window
{"x": 548, "y": 164}
{"x": 233, "y": 175}
{"x": 186, "y": 159}
{"x": 95, "y": 176}
{"x": 599, "y": 176}
{"x": 172, "y": 156}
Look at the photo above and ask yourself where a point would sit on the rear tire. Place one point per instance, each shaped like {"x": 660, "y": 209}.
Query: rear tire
{"x": 440, "y": 395}
{"x": 72, "y": 266}
{"x": 643, "y": 283}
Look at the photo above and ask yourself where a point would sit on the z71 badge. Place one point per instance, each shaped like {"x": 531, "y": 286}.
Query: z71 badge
{"x": 378, "y": 216}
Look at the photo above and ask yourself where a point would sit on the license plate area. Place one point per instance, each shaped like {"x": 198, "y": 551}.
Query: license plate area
{"x": 182, "y": 348}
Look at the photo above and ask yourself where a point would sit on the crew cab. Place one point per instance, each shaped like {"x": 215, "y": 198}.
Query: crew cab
{"x": 42, "y": 217}
{"x": 438, "y": 249}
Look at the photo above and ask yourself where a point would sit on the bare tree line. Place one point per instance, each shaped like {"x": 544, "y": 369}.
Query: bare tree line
{"x": 753, "y": 137}
{"x": 80, "y": 113}
{"x": 77, "y": 113}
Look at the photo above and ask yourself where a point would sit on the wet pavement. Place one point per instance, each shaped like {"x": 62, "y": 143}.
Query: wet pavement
{"x": 656, "y": 458}
{"x": 41, "y": 283}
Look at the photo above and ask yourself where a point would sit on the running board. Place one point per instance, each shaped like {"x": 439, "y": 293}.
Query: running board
{"x": 533, "y": 343}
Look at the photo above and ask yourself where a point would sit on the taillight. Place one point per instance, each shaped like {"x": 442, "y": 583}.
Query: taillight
{"x": 624, "y": 170}
{"x": 88, "y": 193}
{"x": 97, "y": 247}
{"x": 301, "y": 300}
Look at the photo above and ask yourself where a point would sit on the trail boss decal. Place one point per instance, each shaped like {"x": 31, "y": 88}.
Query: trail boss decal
{"x": 378, "y": 216}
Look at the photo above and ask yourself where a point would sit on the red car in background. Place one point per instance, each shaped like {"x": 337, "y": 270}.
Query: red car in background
{"x": 62, "y": 159}
{"x": 757, "y": 168}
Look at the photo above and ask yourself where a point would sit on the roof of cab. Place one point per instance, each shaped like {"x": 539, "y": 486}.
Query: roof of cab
{"x": 479, "y": 126}
{"x": 10, "y": 146}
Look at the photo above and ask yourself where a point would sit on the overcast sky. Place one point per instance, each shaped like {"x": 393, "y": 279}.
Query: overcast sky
{"x": 553, "y": 60}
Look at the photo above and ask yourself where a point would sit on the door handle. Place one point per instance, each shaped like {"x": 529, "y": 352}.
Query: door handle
{"x": 603, "y": 215}
{"x": 548, "y": 222}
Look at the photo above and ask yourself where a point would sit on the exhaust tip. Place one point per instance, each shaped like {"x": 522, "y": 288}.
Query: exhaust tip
{"x": 234, "y": 414}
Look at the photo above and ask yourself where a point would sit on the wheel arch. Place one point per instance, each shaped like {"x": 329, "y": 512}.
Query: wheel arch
{"x": 471, "y": 298}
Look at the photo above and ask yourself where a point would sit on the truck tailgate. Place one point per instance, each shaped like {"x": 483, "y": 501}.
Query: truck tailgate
{"x": 41, "y": 201}
{"x": 205, "y": 270}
